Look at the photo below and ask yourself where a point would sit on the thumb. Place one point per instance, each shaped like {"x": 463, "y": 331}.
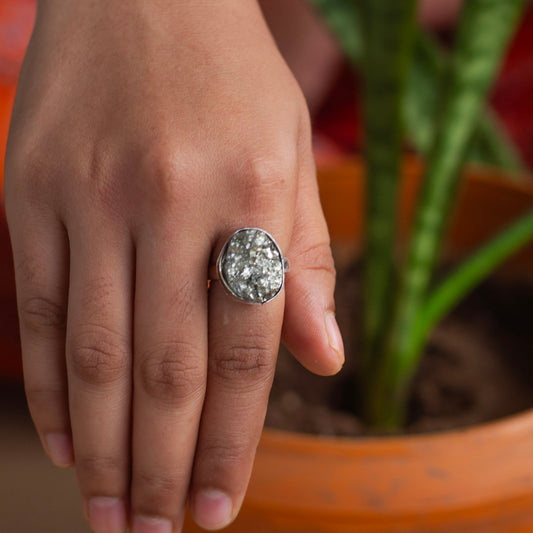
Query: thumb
{"x": 310, "y": 330}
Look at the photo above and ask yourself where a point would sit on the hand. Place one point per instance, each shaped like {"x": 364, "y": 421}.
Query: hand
{"x": 143, "y": 135}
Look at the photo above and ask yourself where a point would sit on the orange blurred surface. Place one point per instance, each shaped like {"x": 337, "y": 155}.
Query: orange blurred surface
{"x": 16, "y": 23}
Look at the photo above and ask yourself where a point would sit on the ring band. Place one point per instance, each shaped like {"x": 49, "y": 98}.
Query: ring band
{"x": 251, "y": 266}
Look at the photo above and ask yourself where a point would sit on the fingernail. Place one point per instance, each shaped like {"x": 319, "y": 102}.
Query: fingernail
{"x": 212, "y": 509}
{"x": 60, "y": 449}
{"x": 334, "y": 335}
{"x": 107, "y": 515}
{"x": 146, "y": 524}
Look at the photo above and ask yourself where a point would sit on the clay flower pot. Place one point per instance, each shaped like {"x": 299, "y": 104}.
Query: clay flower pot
{"x": 475, "y": 480}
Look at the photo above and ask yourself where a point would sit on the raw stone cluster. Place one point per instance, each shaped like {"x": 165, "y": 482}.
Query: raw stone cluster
{"x": 251, "y": 266}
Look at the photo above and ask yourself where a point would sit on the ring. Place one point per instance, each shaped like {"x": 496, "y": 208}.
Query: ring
{"x": 251, "y": 266}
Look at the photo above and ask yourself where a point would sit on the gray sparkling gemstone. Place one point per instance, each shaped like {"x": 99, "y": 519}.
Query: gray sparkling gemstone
{"x": 251, "y": 266}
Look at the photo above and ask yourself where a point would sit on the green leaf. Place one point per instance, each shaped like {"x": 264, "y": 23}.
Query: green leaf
{"x": 484, "y": 32}
{"x": 388, "y": 31}
{"x": 491, "y": 145}
{"x": 469, "y": 274}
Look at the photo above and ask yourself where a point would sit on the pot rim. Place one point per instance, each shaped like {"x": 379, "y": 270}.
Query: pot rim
{"x": 509, "y": 423}
{"x": 478, "y": 469}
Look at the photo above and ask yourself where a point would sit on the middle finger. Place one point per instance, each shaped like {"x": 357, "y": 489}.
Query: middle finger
{"x": 169, "y": 372}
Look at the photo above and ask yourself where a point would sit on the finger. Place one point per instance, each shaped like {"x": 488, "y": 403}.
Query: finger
{"x": 243, "y": 345}
{"x": 40, "y": 251}
{"x": 169, "y": 371}
{"x": 310, "y": 330}
{"x": 99, "y": 367}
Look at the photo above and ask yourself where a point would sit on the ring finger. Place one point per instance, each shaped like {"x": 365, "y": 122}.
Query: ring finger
{"x": 243, "y": 345}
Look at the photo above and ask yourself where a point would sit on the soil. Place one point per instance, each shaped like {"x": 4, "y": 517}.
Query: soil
{"x": 478, "y": 365}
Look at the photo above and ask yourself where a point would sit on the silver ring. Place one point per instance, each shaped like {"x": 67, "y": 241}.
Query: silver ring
{"x": 251, "y": 266}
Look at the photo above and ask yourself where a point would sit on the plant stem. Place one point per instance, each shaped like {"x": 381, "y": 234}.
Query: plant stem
{"x": 483, "y": 34}
{"x": 388, "y": 31}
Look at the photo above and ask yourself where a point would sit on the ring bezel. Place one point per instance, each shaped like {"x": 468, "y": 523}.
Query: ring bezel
{"x": 227, "y": 284}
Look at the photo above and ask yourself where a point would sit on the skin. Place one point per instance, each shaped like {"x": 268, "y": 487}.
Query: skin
{"x": 143, "y": 135}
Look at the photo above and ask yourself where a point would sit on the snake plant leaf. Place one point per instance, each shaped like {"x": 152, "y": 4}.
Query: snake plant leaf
{"x": 388, "y": 37}
{"x": 490, "y": 146}
{"x": 470, "y": 273}
{"x": 483, "y": 34}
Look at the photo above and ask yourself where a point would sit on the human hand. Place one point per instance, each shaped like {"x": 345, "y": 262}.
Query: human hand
{"x": 143, "y": 134}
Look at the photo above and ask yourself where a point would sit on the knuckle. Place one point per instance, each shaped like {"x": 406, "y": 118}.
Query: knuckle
{"x": 316, "y": 257}
{"x": 25, "y": 173}
{"x": 42, "y": 315}
{"x": 170, "y": 186}
{"x": 102, "y": 467}
{"x": 44, "y": 400}
{"x": 29, "y": 174}
{"x": 225, "y": 454}
{"x": 159, "y": 485}
{"x": 99, "y": 356}
{"x": 172, "y": 373}
{"x": 163, "y": 173}
{"x": 250, "y": 359}
{"x": 264, "y": 179}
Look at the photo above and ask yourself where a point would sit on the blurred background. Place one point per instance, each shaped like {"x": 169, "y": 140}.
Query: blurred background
{"x": 36, "y": 497}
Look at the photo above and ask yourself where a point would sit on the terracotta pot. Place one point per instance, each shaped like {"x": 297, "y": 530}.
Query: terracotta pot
{"x": 478, "y": 480}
